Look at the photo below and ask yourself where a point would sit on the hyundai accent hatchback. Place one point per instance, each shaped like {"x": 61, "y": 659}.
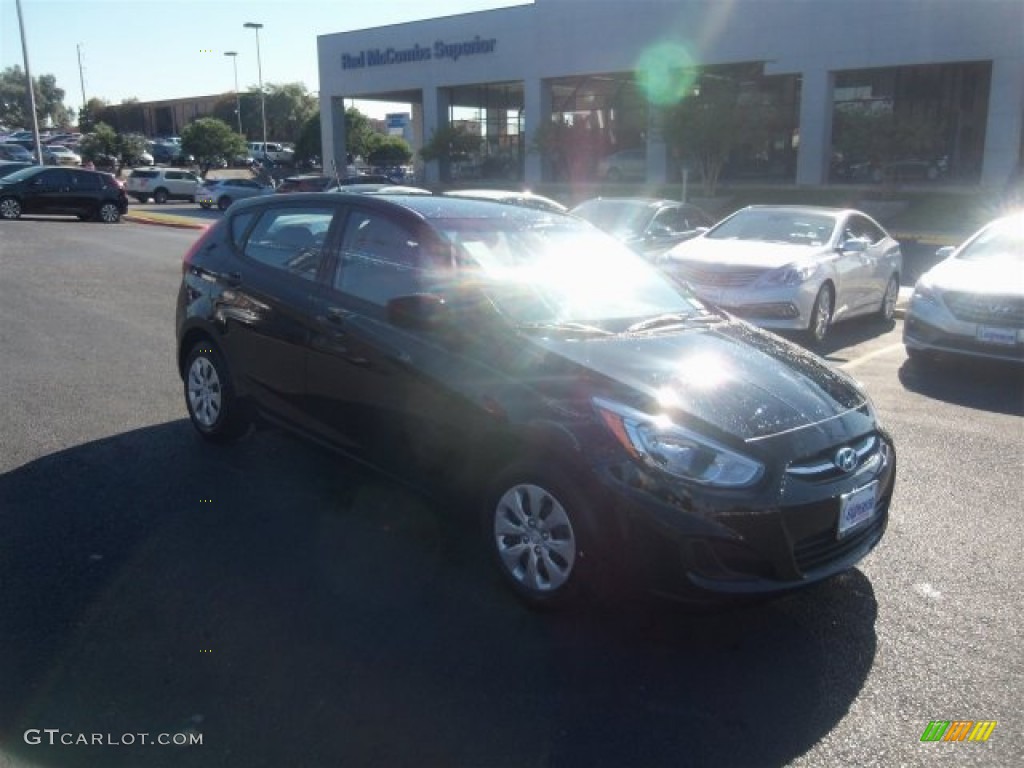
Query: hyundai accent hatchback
{"x": 607, "y": 423}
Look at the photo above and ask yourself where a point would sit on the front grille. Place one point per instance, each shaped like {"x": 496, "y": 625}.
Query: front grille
{"x": 823, "y": 548}
{"x": 717, "y": 277}
{"x": 822, "y": 467}
{"x": 985, "y": 309}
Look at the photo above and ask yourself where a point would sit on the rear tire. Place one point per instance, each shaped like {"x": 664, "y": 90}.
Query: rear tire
{"x": 887, "y": 311}
{"x": 160, "y": 196}
{"x": 108, "y": 213}
{"x": 213, "y": 407}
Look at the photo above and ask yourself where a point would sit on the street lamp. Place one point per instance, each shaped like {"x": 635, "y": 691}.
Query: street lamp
{"x": 259, "y": 66}
{"x": 238, "y": 99}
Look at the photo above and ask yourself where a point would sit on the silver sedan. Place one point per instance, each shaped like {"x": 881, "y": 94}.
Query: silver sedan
{"x": 799, "y": 268}
{"x": 972, "y": 303}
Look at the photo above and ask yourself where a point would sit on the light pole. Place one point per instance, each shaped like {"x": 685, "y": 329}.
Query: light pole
{"x": 238, "y": 99}
{"x": 259, "y": 66}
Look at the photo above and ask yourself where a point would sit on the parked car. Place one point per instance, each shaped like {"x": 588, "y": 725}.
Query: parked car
{"x": 162, "y": 184}
{"x": 16, "y": 153}
{"x": 223, "y": 192}
{"x": 58, "y": 154}
{"x": 650, "y": 226}
{"x": 524, "y": 198}
{"x": 798, "y": 268}
{"x": 601, "y": 419}
{"x": 380, "y": 189}
{"x": 171, "y": 154}
{"x": 305, "y": 183}
{"x": 273, "y": 151}
{"x": 7, "y": 167}
{"x": 64, "y": 191}
{"x": 971, "y": 304}
{"x": 626, "y": 164}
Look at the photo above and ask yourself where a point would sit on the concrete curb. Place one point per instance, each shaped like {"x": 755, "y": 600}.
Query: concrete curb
{"x": 903, "y": 302}
{"x": 164, "y": 220}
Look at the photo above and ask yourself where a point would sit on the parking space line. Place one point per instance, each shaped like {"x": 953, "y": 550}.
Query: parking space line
{"x": 858, "y": 361}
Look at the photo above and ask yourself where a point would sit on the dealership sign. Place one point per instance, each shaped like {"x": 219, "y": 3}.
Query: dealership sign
{"x": 376, "y": 57}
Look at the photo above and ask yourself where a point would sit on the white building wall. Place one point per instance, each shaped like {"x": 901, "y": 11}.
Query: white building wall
{"x": 811, "y": 38}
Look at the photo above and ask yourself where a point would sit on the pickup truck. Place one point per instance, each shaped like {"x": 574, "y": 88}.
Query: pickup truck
{"x": 274, "y": 152}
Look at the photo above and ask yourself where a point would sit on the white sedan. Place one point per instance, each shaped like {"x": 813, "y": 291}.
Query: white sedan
{"x": 798, "y": 268}
{"x": 58, "y": 154}
{"x": 972, "y": 303}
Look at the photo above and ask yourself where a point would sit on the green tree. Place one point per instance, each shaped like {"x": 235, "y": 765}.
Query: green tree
{"x": 448, "y": 143}
{"x": 101, "y": 140}
{"x": 862, "y": 133}
{"x": 388, "y": 151}
{"x": 309, "y": 144}
{"x": 209, "y": 139}
{"x": 358, "y": 133}
{"x": 14, "y": 104}
{"x": 720, "y": 116}
{"x": 89, "y": 117}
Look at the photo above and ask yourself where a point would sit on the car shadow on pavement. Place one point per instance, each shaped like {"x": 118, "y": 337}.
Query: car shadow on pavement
{"x": 986, "y": 385}
{"x": 843, "y": 335}
{"x": 289, "y": 608}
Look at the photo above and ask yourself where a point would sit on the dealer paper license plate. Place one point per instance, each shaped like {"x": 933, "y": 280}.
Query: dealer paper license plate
{"x": 856, "y": 508}
{"x": 989, "y": 335}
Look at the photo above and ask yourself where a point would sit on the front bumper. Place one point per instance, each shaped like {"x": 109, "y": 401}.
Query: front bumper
{"x": 786, "y": 307}
{"x": 931, "y": 327}
{"x": 786, "y": 536}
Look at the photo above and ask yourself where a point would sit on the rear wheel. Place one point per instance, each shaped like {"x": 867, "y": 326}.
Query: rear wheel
{"x": 160, "y": 196}
{"x": 821, "y": 316}
{"x": 108, "y": 213}
{"x": 213, "y": 407}
{"x": 9, "y": 208}
{"x": 892, "y": 292}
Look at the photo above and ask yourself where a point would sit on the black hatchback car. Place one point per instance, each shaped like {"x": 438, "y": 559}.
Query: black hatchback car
{"x": 607, "y": 423}
{"x": 66, "y": 191}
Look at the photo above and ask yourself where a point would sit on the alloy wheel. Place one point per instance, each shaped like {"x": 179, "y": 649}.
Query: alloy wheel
{"x": 10, "y": 208}
{"x": 205, "y": 394}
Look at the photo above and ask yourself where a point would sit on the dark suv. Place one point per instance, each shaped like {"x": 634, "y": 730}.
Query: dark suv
{"x": 605, "y": 422}
{"x": 69, "y": 191}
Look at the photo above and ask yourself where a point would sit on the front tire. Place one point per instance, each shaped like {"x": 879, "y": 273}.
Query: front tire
{"x": 10, "y": 209}
{"x": 538, "y": 531}
{"x": 821, "y": 316}
{"x": 160, "y": 196}
{"x": 213, "y": 407}
{"x": 224, "y": 203}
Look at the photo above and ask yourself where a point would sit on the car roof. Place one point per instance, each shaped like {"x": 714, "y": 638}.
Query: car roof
{"x": 648, "y": 201}
{"x": 428, "y": 207}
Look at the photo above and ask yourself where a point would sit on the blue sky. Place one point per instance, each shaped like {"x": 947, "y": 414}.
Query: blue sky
{"x": 165, "y": 49}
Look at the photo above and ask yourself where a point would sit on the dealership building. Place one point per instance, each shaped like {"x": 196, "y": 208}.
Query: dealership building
{"x": 820, "y": 89}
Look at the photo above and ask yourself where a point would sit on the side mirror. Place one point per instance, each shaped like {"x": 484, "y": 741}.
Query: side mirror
{"x": 945, "y": 251}
{"x": 856, "y": 245}
{"x": 417, "y": 312}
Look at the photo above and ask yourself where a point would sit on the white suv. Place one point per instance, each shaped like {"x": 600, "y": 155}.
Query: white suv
{"x": 162, "y": 184}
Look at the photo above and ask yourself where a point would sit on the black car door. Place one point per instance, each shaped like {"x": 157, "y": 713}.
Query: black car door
{"x": 266, "y": 306}
{"x": 382, "y": 388}
{"x": 47, "y": 192}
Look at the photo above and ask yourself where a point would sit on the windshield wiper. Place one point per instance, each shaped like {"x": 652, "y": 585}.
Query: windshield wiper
{"x": 581, "y": 328}
{"x": 671, "y": 319}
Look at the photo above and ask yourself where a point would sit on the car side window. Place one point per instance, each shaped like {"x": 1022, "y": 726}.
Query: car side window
{"x": 379, "y": 259}
{"x": 863, "y": 229}
{"x": 290, "y": 239}
{"x": 671, "y": 219}
{"x": 52, "y": 179}
{"x": 80, "y": 180}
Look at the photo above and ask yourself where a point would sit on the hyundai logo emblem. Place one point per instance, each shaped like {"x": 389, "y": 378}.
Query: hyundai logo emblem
{"x": 846, "y": 459}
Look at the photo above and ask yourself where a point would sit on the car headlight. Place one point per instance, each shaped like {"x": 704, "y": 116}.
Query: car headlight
{"x": 661, "y": 444}
{"x": 793, "y": 274}
{"x": 925, "y": 291}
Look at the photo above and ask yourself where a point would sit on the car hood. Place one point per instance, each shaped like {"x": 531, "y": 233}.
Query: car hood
{"x": 740, "y": 380}
{"x": 998, "y": 276}
{"x": 742, "y": 253}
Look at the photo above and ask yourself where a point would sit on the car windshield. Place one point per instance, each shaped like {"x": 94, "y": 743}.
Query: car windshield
{"x": 1003, "y": 241}
{"x": 558, "y": 271}
{"x": 775, "y": 226}
{"x": 629, "y": 216}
